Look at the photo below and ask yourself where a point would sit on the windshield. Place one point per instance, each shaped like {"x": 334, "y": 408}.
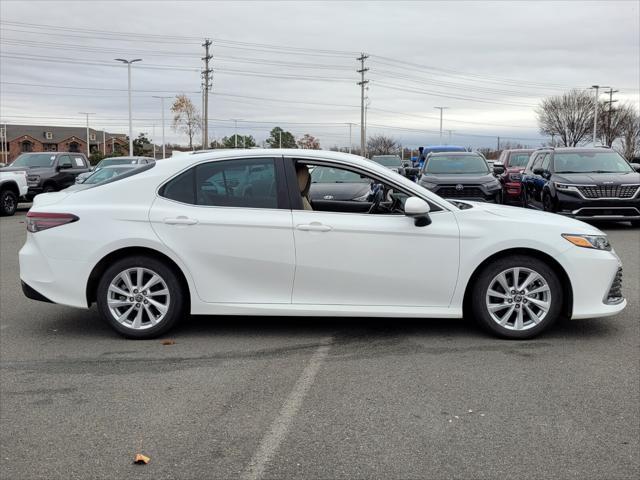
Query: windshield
{"x": 31, "y": 160}
{"x": 590, "y": 162}
{"x": 387, "y": 160}
{"x": 334, "y": 175}
{"x": 105, "y": 174}
{"x": 456, "y": 164}
{"x": 519, "y": 159}
{"x": 107, "y": 162}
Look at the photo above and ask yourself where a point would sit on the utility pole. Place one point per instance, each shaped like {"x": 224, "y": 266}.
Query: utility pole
{"x": 153, "y": 142}
{"x": 88, "y": 139}
{"x": 235, "y": 135}
{"x": 128, "y": 63}
{"x": 104, "y": 143}
{"x": 206, "y": 83}
{"x": 608, "y": 136}
{"x": 350, "y": 141}
{"x": 498, "y": 145}
{"x": 162, "y": 108}
{"x": 441, "y": 109}
{"x": 595, "y": 114}
{"x": 362, "y": 83}
{"x": 280, "y": 138}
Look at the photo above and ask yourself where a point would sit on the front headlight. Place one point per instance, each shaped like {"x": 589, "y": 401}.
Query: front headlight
{"x": 33, "y": 178}
{"x": 492, "y": 185}
{"x": 597, "y": 242}
{"x": 565, "y": 187}
{"x": 429, "y": 185}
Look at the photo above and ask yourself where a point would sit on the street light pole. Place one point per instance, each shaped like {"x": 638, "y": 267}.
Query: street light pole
{"x": 595, "y": 113}
{"x": 88, "y": 139}
{"x": 128, "y": 63}
{"x": 162, "y": 108}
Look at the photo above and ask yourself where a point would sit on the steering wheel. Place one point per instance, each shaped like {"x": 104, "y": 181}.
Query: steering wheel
{"x": 378, "y": 196}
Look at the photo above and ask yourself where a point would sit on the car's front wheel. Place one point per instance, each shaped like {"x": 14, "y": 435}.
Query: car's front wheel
{"x": 517, "y": 297}
{"x": 8, "y": 202}
{"x": 140, "y": 297}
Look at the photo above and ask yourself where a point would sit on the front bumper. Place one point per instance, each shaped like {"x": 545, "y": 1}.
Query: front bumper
{"x": 474, "y": 193}
{"x": 594, "y": 275}
{"x": 598, "y": 209}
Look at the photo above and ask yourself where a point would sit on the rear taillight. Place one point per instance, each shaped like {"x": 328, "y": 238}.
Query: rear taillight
{"x": 38, "y": 221}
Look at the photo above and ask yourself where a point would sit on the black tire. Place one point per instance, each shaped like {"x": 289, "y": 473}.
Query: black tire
{"x": 176, "y": 297}
{"x": 548, "y": 205}
{"x": 49, "y": 188}
{"x": 479, "y": 307}
{"x": 8, "y": 202}
{"x": 523, "y": 199}
{"x": 635, "y": 223}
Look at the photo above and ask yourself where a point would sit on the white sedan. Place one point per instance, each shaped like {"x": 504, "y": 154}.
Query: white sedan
{"x": 233, "y": 232}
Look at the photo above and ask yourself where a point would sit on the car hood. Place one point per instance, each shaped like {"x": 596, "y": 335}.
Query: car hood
{"x": 338, "y": 191}
{"x": 523, "y": 216}
{"x": 456, "y": 178}
{"x": 598, "y": 178}
{"x": 30, "y": 171}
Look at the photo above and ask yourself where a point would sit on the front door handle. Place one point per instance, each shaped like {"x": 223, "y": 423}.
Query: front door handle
{"x": 181, "y": 220}
{"x": 314, "y": 227}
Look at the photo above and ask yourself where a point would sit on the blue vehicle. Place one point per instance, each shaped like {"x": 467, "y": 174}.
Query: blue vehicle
{"x": 424, "y": 151}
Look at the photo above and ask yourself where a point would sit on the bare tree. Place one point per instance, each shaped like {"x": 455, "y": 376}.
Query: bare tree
{"x": 629, "y": 146}
{"x": 381, "y": 145}
{"x": 568, "y": 116}
{"x": 613, "y": 123}
{"x": 309, "y": 142}
{"x": 186, "y": 118}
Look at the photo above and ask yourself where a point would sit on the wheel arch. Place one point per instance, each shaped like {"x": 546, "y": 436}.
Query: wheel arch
{"x": 103, "y": 264}
{"x": 10, "y": 185}
{"x": 565, "y": 281}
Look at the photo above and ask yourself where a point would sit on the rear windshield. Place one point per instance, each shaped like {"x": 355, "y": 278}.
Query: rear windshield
{"x": 105, "y": 174}
{"x": 519, "y": 159}
{"x": 590, "y": 162}
{"x": 124, "y": 173}
{"x": 117, "y": 161}
{"x": 335, "y": 175}
{"x": 456, "y": 164}
{"x": 387, "y": 160}
{"x": 30, "y": 160}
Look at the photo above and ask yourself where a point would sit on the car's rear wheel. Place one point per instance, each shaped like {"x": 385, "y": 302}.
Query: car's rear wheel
{"x": 140, "y": 297}
{"x": 8, "y": 202}
{"x": 517, "y": 297}
{"x": 547, "y": 203}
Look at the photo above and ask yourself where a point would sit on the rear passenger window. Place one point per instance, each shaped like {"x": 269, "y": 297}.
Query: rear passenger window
{"x": 238, "y": 183}
{"x": 546, "y": 161}
{"x": 249, "y": 183}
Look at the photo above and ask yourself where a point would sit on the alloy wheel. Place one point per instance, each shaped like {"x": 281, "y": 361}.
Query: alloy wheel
{"x": 8, "y": 203}
{"x": 518, "y": 298}
{"x": 138, "y": 298}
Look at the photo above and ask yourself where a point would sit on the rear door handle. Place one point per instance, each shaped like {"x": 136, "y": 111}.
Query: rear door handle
{"x": 314, "y": 227}
{"x": 181, "y": 220}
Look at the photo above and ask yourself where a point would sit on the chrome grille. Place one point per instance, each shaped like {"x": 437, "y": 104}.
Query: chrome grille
{"x": 608, "y": 191}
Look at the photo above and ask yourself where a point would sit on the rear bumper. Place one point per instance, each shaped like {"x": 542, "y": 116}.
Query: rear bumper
{"x": 33, "y": 294}
{"x": 512, "y": 190}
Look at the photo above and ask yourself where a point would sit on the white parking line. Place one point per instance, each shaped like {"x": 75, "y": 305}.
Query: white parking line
{"x": 280, "y": 426}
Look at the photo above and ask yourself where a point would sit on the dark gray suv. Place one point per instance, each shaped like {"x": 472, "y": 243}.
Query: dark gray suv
{"x": 461, "y": 175}
{"x": 49, "y": 171}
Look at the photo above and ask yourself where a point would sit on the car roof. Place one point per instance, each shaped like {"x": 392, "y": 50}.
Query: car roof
{"x": 453, "y": 154}
{"x": 115, "y": 167}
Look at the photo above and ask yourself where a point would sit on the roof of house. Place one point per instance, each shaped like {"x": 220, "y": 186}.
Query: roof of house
{"x": 58, "y": 133}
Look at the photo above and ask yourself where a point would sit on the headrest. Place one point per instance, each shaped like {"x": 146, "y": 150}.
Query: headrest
{"x": 304, "y": 178}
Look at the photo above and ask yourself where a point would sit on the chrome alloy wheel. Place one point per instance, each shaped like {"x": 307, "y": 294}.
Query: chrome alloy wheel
{"x": 518, "y": 298}
{"x": 138, "y": 298}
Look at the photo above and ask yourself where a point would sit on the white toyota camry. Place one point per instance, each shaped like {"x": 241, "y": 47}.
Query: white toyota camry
{"x": 233, "y": 232}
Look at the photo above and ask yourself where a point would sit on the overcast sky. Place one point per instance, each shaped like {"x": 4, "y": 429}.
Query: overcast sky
{"x": 293, "y": 64}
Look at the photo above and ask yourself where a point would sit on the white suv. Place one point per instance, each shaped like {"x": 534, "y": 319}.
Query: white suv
{"x": 13, "y": 186}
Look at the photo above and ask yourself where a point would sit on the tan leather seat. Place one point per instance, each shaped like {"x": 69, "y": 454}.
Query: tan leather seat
{"x": 304, "y": 184}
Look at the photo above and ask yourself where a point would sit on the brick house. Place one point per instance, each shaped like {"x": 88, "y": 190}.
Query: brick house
{"x": 37, "y": 138}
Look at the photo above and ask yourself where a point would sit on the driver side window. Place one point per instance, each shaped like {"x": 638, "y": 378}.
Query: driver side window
{"x": 337, "y": 189}
{"x": 65, "y": 160}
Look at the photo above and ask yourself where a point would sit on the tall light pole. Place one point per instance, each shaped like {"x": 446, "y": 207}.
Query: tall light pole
{"x": 162, "y": 108}
{"x": 595, "y": 113}
{"x": 88, "y": 140}
{"x": 235, "y": 135}
{"x": 128, "y": 63}
{"x": 441, "y": 109}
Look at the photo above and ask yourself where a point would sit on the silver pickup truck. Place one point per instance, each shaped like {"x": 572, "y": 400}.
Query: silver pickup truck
{"x": 13, "y": 186}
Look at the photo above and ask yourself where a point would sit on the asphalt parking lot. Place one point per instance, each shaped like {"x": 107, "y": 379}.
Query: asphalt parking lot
{"x": 316, "y": 398}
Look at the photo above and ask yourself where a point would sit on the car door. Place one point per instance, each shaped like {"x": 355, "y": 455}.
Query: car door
{"x": 531, "y": 180}
{"x": 541, "y": 179}
{"x": 230, "y": 223}
{"x": 64, "y": 176}
{"x": 374, "y": 259}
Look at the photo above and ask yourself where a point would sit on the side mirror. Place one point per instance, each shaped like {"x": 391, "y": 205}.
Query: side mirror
{"x": 538, "y": 171}
{"x": 498, "y": 168}
{"x": 405, "y": 164}
{"x": 419, "y": 210}
{"x": 92, "y": 168}
{"x": 64, "y": 166}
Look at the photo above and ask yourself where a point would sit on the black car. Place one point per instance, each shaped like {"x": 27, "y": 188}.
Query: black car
{"x": 329, "y": 186}
{"x": 49, "y": 171}
{"x": 461, "y": 175}
{"x": 585, "y": 183}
